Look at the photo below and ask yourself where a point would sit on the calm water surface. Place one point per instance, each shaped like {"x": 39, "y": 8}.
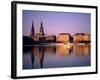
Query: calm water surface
{"x": 56, "y": 56}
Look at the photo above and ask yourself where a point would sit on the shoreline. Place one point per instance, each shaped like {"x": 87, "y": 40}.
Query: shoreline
{"x": 55, "y": 44}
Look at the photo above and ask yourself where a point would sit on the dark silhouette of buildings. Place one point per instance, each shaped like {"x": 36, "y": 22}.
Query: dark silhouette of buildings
{"x": 32, "y": 30}
{"x": 41, "y": 37}
{"x": 41, "y": 29}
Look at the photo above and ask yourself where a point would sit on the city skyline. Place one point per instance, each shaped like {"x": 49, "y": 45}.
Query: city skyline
{"x": 56, "y": 22}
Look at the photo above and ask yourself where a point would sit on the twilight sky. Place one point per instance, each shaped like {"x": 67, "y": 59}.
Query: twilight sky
{"x": 56, "y": 22}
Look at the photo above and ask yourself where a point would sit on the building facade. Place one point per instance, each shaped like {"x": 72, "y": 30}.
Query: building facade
{"x": 81, "y": 38}
{"x": 64, "y": 38}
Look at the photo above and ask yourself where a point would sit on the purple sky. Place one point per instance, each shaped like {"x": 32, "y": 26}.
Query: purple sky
{"x": 56, "y": 22}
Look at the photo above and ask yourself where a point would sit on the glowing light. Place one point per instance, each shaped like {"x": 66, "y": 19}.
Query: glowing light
{"x": 68, "y": 46}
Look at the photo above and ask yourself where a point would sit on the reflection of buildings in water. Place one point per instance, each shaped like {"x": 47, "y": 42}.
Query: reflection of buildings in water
{"x": 87, "y": 49}
{"x": 47, "y": 50}
{"x": 39, "y": 52}
{"x": 82, "y": 50}
{"x": 32, "y": 59}
{"x": 36, "y": 52}
{"x": 50, "y": 50}
{"x": 79, "y": 50}
{"x": 64, "y": 50}
{"x": 42, "y": 52}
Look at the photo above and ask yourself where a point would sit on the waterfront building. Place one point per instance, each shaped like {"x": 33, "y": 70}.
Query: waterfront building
{"x": 64, "y": 38}
{"x": 50, "y": 38}
{"x": 81, "y": 38}
{"x": 87, "y": 37}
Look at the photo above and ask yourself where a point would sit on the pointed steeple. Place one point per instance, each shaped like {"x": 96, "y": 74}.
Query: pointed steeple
{"x": 32, "y": 29}
{"x": 41, "y": 28}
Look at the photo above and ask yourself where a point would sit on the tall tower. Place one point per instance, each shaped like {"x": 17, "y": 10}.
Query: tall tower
{"x": 41, "y": 29}
{"x": 32, "y": 30}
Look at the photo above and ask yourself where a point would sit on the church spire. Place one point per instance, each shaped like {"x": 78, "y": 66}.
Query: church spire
{"x": 41, "y": 28}
{"x": 32, "y": 29}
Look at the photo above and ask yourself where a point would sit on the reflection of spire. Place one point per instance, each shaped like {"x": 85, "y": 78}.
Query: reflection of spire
{"x": 41, "y": 60}
{"x": 41, "y": 29}
{"x": 32, "y": 29}
{"x": 32, "y": 59}
{"x": 42, "y": 51}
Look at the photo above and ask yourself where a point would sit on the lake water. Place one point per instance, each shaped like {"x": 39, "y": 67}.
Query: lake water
{"x": 56, "y": 56}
